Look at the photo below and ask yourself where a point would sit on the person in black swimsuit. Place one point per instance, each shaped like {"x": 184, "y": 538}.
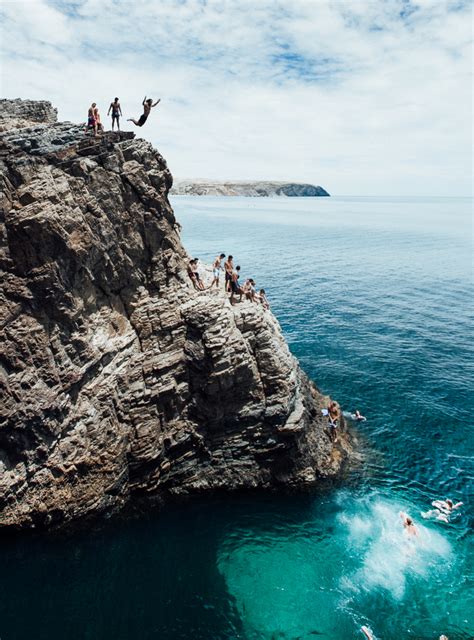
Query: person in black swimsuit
{"x": 116, "y": 113}
{"x": 147, "y": 107}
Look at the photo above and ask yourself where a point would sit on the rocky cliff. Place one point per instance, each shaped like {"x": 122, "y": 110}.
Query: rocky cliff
{"x": 118, "y": 381}
{"x": 249, "y": 189}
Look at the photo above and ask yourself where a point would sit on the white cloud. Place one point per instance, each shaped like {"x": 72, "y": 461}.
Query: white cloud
{"x": 360, "y": 97}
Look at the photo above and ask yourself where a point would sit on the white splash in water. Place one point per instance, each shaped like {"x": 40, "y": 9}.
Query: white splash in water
{"x": 388, "y": 556}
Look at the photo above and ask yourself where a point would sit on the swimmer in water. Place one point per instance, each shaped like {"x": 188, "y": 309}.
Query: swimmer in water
{"x": 408, "y": 524}
{"x": 367, "y": 633}
{"x": 358, "y": 416}
{"x": 443, "y": 510}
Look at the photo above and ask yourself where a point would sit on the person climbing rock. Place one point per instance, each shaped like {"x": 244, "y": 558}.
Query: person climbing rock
{"x": 116, "y": 110}
{"x": 147, "y": 107}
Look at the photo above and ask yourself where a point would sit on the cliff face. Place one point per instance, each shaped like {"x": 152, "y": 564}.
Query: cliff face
{"x": 249, "y": 189}
{"x": 117, "y": 379}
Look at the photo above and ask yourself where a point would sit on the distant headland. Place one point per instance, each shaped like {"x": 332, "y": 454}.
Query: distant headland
{"x": 249, "y": 189}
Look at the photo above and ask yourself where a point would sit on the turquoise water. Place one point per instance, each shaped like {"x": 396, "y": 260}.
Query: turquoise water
{"x": 375, "y": 299}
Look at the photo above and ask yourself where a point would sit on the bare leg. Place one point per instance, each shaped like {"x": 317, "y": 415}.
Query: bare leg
{"x": 134, "y": 121}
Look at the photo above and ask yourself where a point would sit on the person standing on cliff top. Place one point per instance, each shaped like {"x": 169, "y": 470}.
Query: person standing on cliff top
{"x": 216, "y": 269}
{"x": 91, "y": 120}
{"x": 116, "y": 113}
{"x": 147, "y": 107}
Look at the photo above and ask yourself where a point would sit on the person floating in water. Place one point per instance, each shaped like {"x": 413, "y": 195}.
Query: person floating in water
{"x": 443, "y": 510}
{"x": 216, "y": 269}
{"x": 147, "y": 107}
{"x": 358, "y": 416}
{"x": 116, "y": 113}
{"x": 368, "y": 633}
{"x": 408, "y": 524}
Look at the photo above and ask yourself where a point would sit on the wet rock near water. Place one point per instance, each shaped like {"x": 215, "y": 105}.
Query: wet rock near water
{"x": 118, "y": 380}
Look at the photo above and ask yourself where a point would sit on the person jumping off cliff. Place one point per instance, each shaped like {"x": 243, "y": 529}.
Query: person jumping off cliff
{"x": 147, "y": 107}
{"x": 116, "y": 113}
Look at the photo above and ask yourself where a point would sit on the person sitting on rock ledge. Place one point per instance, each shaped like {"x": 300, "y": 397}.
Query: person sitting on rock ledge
{"x": 147, "y": 107}
{"x": 194, "y": 275}
{"x": 249, "y": 290}
{"x": 100, "y": 126}
{"x": 199, "y": 282}
{"x": 262, "y": 296}
{"x": 116, "y": 113}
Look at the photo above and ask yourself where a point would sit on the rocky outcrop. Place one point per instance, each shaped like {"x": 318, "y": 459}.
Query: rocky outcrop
{"x": 17, "y": 114}
{"x": 250, "y": 189}
{"x": 118, "y": 380}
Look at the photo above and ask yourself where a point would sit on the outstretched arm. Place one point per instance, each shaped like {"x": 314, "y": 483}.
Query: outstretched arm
{"x": 154, "y": 105}
{"x": 457, "y": 505}
{"x": 144, "y": 100}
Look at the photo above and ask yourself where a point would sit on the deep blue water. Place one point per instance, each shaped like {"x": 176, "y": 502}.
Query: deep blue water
{"x": 375, "y": 298}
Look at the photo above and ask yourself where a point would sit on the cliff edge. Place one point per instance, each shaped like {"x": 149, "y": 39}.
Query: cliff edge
{"x": 119, "y": 381}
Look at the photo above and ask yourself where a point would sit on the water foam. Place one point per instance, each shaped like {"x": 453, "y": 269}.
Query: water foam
{"x": 388, "y": 558}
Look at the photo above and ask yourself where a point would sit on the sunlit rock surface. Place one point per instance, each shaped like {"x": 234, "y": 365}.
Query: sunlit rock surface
{"x": 118, "y": 380}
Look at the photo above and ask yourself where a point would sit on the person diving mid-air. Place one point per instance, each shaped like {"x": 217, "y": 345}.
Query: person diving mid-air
{"x": 147, "y": 107}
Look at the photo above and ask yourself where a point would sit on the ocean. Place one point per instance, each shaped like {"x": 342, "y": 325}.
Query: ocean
{"x": 374, "y": 296}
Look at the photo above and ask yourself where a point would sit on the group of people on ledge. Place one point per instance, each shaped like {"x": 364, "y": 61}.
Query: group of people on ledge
{"x": 115, "y": 111}
{"x": 232, "y": 284}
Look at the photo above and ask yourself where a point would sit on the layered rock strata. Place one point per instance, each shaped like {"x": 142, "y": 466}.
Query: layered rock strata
{"x": 118, "y": 380}
{"x": 248, "y": 189}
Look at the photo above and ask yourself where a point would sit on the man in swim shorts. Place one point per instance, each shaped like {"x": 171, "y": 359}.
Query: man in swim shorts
{"x": 91, "y": 119}
{"x": 147, "y": 107}
{"x": 116, "y": 113}
{"x": 216, "y": 269}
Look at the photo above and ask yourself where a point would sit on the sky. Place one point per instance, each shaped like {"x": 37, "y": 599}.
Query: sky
{"x": 362, "y": 98}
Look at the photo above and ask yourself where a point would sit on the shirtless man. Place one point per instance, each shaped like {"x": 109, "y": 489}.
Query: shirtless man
{"x": 116, "y": 113}
{"x": 408, "y": 524}
{"x": 147, "y": 107}
{"x": 216, "y": 269}
{"x": 91, "y": 120}
{"x": 229, "y": 269}
{"x": 235, "y": 286}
